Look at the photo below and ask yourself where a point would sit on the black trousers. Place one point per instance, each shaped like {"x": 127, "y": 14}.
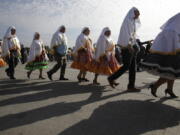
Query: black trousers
{"x": 12, "y": 61}
{"x": 61, "y": 63}
{"x": 140, "y": 56}
{"x": 129, "y": 63}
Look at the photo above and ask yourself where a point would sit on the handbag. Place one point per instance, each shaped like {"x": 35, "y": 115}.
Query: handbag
{"x": 61, "y": 50}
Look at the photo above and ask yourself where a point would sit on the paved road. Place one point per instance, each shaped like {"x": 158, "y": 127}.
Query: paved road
{"x": 42, "y": 107}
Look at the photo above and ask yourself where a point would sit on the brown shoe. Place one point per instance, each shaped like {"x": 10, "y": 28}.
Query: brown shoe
{"x": 63, "y": 79}
{"x": 49, "y": 76}
{"x": 115, "y": 83}
{"x": 111, "y": 83}
{"x": 133, "y": 90}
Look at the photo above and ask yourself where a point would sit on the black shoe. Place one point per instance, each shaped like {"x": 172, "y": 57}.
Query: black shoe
{"x": 28, "y": 74}
{"x": 153, "y": 90}
{"x": 12, "y": 78}
{"x": 111, "y": 83}
{"x": 170, "y": 92}
{"x": 64, "y": 79}
{"x": 49, "y": 76}
{"x": 85, "y": 79}
{"x": 40, "y": 77}
{"x": 116, "y": 84}
{"x": 7, "y": 72}
{"x": 133, "y": 89}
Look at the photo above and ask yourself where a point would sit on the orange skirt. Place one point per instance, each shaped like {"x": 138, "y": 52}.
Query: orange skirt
{"x": 92, "y": 66}
{"x": 83, "y": 58}
{"x": 2, "y": 63}
{"x": 114, "y": 64}
{"x": 103, "y": 66}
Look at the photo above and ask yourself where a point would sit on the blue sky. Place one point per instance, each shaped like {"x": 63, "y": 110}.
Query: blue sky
{"x": 45, "y": 16}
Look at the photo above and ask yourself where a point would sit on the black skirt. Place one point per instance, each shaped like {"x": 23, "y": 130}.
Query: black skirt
{"x": 166, "y": 66}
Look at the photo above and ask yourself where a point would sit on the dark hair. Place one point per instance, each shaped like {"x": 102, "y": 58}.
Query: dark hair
{"x": 36, "y": 33}
{"x": 85, "y": 29}
{"x": 62, "y": 27}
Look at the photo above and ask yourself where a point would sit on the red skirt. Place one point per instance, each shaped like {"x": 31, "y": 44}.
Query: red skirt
{"x": 83, "y": 58}
{"x": 114, "y": 64}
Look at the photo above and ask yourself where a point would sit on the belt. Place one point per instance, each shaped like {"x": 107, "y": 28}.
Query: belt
{"x": 126, "y": 47}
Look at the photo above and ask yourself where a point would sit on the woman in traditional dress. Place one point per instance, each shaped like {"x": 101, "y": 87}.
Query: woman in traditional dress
{"x": 37, "y": 57}
{"x": 105, "y": 62}
{"x": 11, "y": 51}
{"x": 83, "y": 54}
{"x": 164, "y": 57}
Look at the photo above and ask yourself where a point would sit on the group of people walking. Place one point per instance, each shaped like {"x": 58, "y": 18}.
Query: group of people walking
{"x": 162, "y": 60}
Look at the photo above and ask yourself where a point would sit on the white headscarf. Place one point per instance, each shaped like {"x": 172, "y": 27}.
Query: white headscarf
{"x": 8, "y": 32}
{"x": 81, "y": 40}
{"x": 59, "y": 38}
{"x": 103, "y": 43}
{"x": 168, "y": 40}
{"x": 8, "y": 44}
{"x": 35, "y": 49}
{"x": 128, "y": 28}
{"x": 172, "y": 24}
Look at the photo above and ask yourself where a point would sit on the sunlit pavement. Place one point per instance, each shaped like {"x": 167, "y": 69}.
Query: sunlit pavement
{"x": 43, "y": 107}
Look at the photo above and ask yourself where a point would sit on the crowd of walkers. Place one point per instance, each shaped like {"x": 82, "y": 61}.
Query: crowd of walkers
{"x": 159, "y": 57}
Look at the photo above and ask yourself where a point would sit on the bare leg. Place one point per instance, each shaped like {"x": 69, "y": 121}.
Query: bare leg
{"x": 170, "y": 84}
{"x": 29, "y": 73}
{"x": 40, "y": 74}
{"x": 79, "y": 77}
{"x": 156, "y": 85}
{"x": 84, "y": 77}
{"x": 159, "y": 82}
{"x": 95, "y": 79}
{"x": 169, "y": 90}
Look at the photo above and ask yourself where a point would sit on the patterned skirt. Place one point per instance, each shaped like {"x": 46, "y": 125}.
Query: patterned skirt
{"x": 38, "y": 63}
{"x": 82, "y": 59}
{"x": 166, "y": 66}
{"x": 104, "y": 66}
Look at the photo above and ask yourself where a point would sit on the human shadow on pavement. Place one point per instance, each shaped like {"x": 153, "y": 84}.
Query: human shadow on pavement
{"x": 49, "y": 90}
{"x": 16, "y": 87}
{"x": 54, "y": 110}
{"x": 129, "y": 117}
{"x": 8, "y": 82}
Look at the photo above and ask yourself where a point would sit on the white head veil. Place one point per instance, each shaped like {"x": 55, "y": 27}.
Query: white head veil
{"x": 8, "y": 32}
{"x": 168, "y": 40}
{"x": 102, "y": 43}
{"x": 173, "y": 24}
{"x": 81, "y": 40}
{"x": 128, "y": 28}
{"x": 6, "y": 44}
{"x": 35, "y": 49}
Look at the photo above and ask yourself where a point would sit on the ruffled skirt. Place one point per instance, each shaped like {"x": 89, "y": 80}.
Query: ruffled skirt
{"x": 82, "y": 59}
{"x": 166, "y": 66}
{"x": 38, "y": 63}
{"x": 2, "y": 63}
{"x": 104, "y": 66}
